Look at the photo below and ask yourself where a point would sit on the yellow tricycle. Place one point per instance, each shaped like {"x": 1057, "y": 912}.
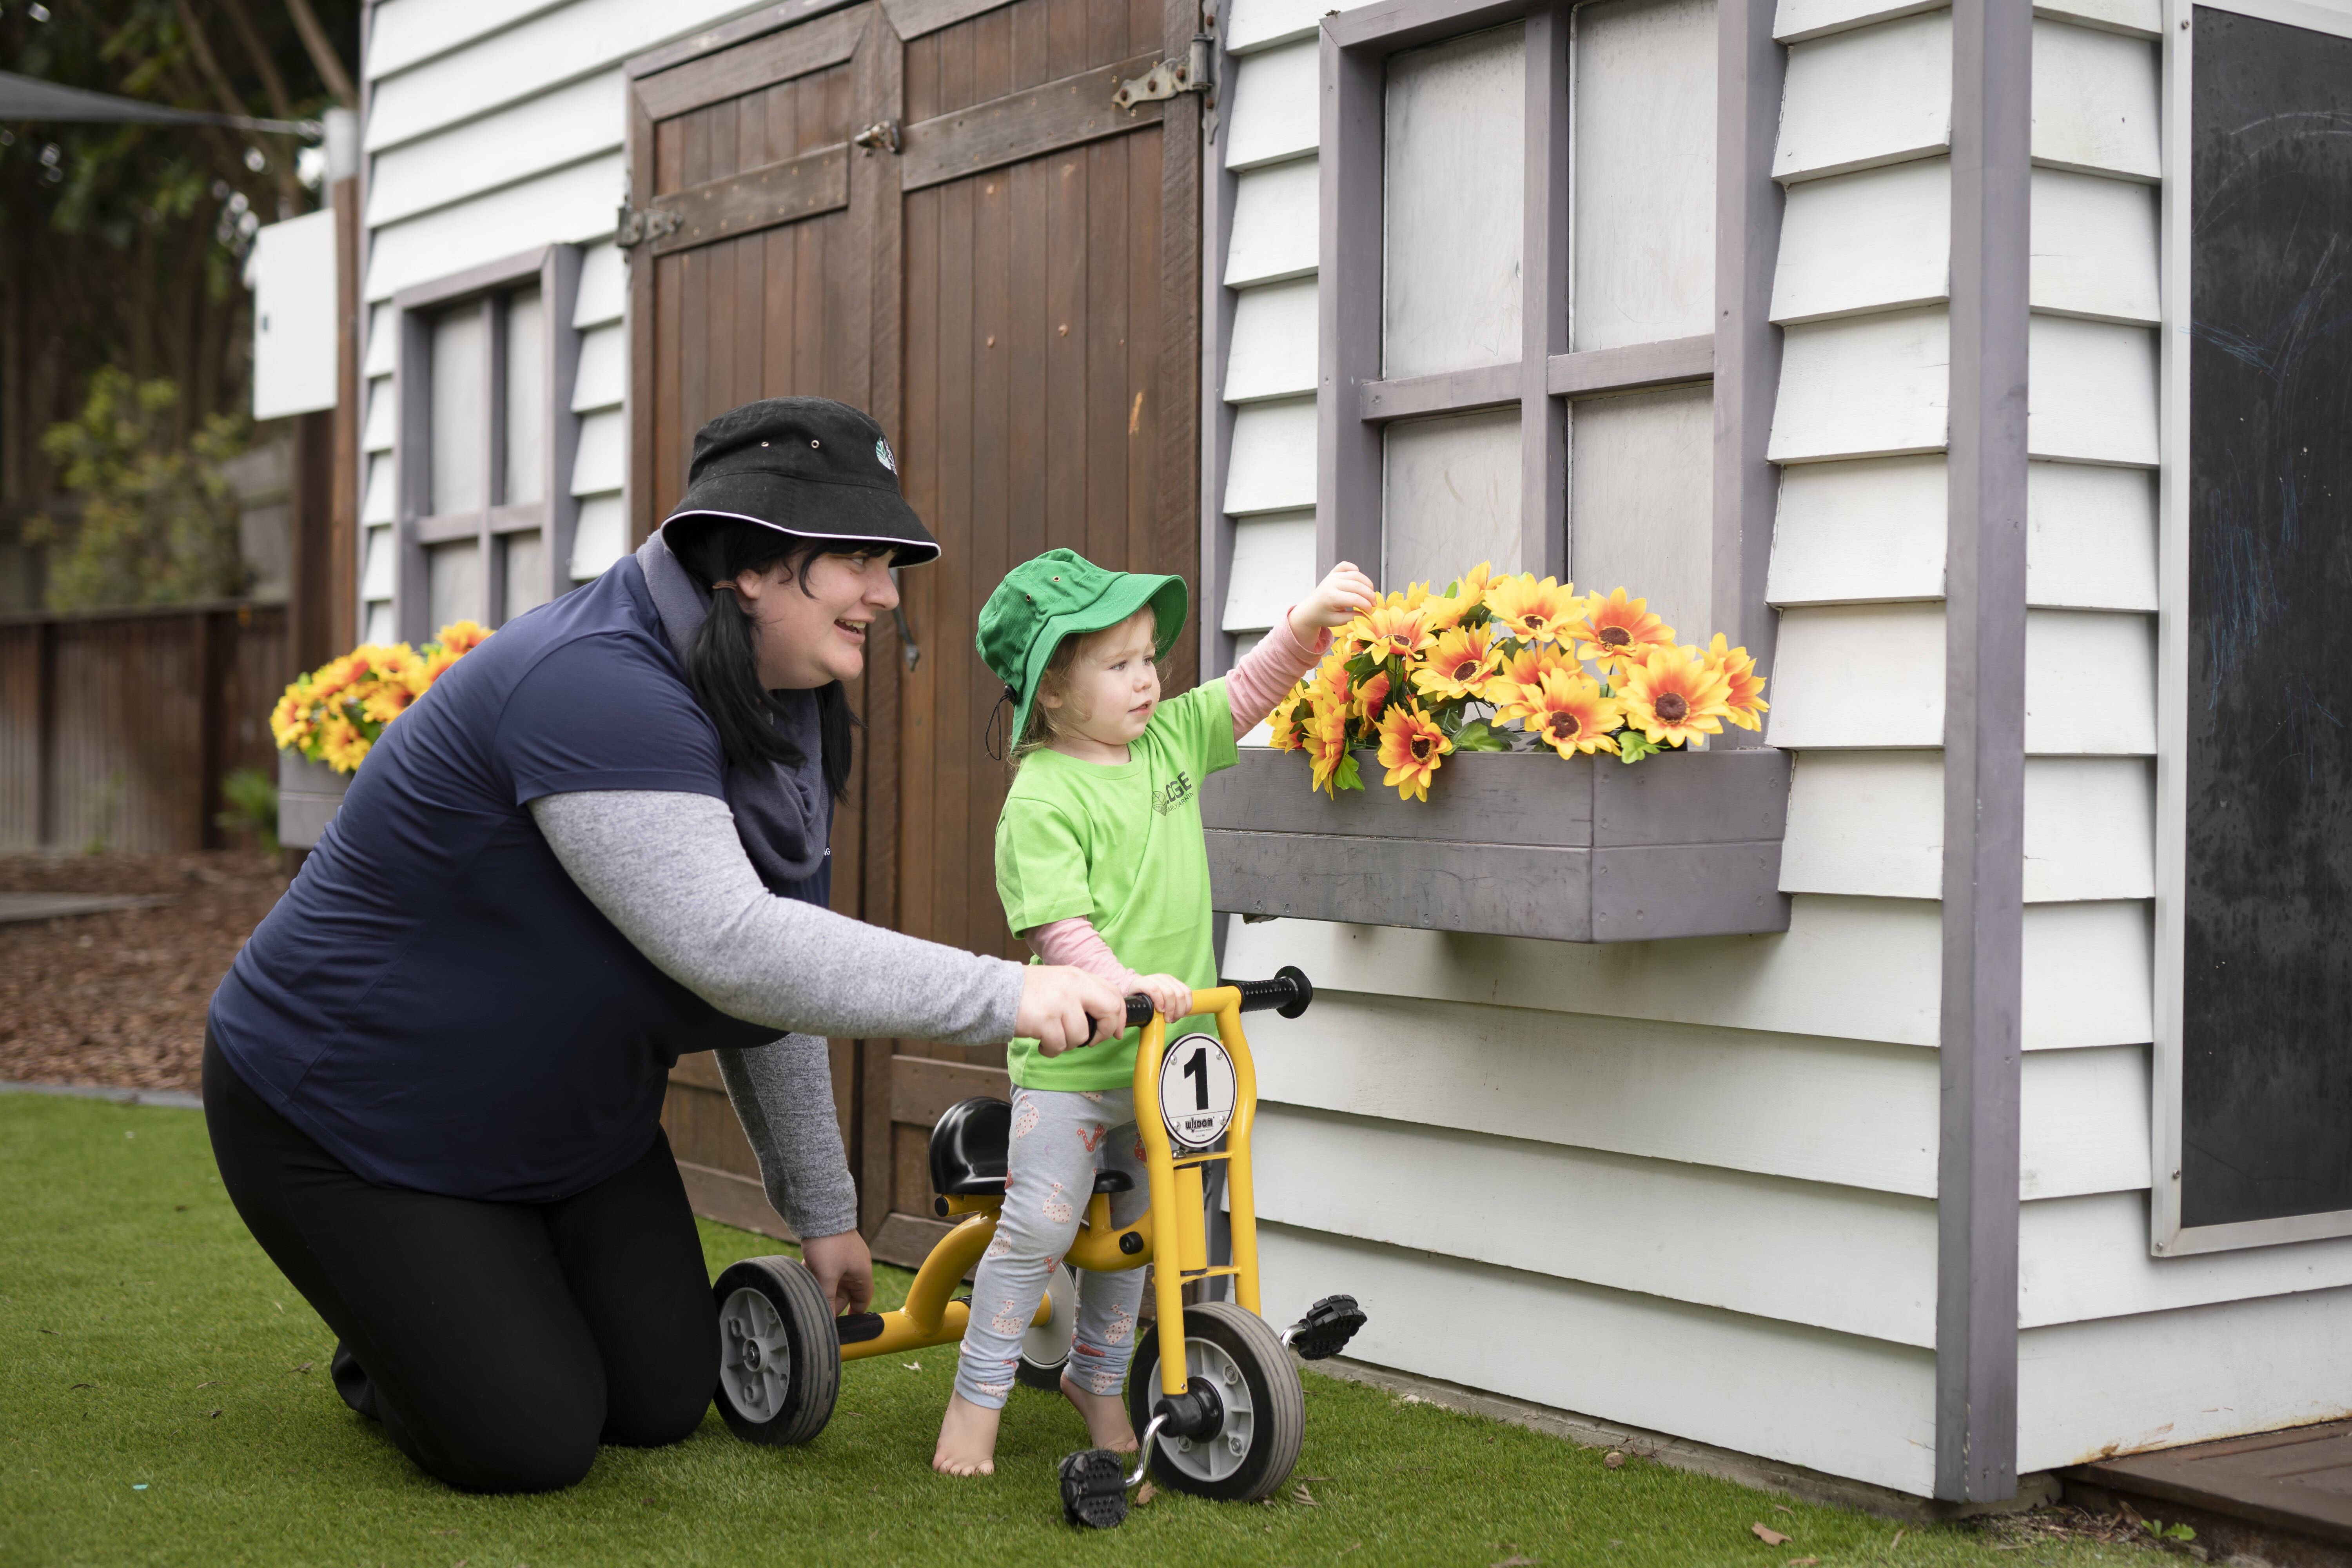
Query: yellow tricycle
{"x": 1213, "y": 1392}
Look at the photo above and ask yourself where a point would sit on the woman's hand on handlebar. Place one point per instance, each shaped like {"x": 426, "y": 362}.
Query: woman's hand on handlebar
{"x": 1170, "y": 994}
{"x": 1062, "y": 1008}
{"x": 843, "y": 1270}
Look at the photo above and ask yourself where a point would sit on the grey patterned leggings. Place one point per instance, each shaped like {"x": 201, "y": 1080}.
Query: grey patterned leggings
{"x": 1059, "y": 1140}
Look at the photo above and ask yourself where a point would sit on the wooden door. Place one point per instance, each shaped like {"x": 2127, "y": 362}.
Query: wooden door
{"x": 1004, "y": 270}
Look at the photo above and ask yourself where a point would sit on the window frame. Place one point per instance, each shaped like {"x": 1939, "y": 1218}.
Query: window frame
{"x": 555, "y": 271}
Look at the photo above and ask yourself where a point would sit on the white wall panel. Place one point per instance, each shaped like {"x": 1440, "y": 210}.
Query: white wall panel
{"x": 2087, "y": 1257}
{"x": 1875, "y": 240}
{"x": 602, "y": 460}
{"x": 2092, "y": 391}
{"x": 1858, "y": 676}
{"x": 1453, "y": 226}
{"x": 407, "y": 31}
{"x": 1836, "y": 1402}
{"x": 1873, "y": 822}
{"x": 375, "y": 564}
{"x": 603, "y": 377}
{"x": 1643, "y": 142}
{"x": 575, "y": 203}
{"x": 528, "y": 138}
{"x": 2089, "y": 975}
{"x": 2090, "y": 683}
{"x": 1864, "y": 386}
{"x": 1450, "y": 496}
{"x": 1803, "y": 1252}
{"x": 1273, "y": 568}
{"x": 2144, "y": 18}
{"x": 2095, "y": 246}
{"x": 1273, "y": 353}
{"x": 604, "y": 293}
{"x": 1855, "y": 531}
{"x": 379, "y": 501}
{"x": 1875, "y": 95}
{"x": 382, "y": 410}
{"x": 2163, "y": 1379}
{"x": 560, "y": 44}
{"x": 1850, "y": 1112}
{"x": 1274, "y": 216}
{"x": 1641, "y": 511}
{"x": 2091, "y": 539}
{"x": 1276, "y": 105}
{"x": 1252, "y": 25}
{"x": 381, "y": 344}
{"x": 1794, "y": 21}
{"x": 600, "y": 537}
{"x": 2094, "y": 102}
{"x": 1271, "y": 466}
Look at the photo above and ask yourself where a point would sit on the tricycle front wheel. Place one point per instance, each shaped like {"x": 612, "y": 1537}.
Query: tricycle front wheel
{"x": 1263, "y": 1408}
{"x": 779, "y": 1354}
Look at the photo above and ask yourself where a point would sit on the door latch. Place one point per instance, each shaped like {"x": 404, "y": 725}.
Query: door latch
{"x": 882, "y": 135}
{"x": 637, "y": 225}
{"x": 1169, "y": 78}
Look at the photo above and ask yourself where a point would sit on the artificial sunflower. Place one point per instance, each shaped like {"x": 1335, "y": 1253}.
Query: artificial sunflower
{"x": 1671, "y": 697}
{"x": 1524, "y": 666}
{"x": 1372, "y": 695}
{"x": 1412, "y": 747}
{"x": 1284, "y": 720}
{"x": 1458, "y": 665}
{"x": 1392, "y": 631}
{"x": 1566, "y": 711}
{"x": 1617, "y": 633}
{"x": 1532, "y": 611}
{"x": 1324, "y": 735}
{"x": 1744, "y": 698}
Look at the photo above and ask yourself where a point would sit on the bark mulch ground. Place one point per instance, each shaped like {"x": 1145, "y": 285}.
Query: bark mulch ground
{"x": 118, "y": 998}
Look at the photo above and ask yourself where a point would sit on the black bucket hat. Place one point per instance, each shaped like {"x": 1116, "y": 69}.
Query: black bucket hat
{"x": 808, "y": 467}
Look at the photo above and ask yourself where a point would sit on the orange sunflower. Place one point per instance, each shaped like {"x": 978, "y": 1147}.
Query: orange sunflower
{"x": 1533, "y": 611}
{"x": 1392, "y": 631}
{"x": 1672, "y": 698}
{"x": 1744, "y": 699}
{"x": 1326, "y": 740}
{"x": 1567, "y": 712}
{"x": 1525, "y": 667}
{"x": 1458, "y": 665}
{"x": 1412, "y": 746}
{"x": 1284, "y": 721}
{"x": 1617, "y": 631}
{"x": 1373, "y": 696}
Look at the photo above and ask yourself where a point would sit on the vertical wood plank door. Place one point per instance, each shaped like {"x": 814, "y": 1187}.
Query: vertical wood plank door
{"x": 1013, "y": 291}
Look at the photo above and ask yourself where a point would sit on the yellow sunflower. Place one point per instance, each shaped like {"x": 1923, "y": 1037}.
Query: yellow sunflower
{"x": 1458, "y": 664}
{"x": 1672, "y": 698}
{"x": 1372, "y": 695}
{"x": 1617, "y": 631}
{"x": 1326, "y": 739}
{"x": 1284, "y": 720}
{"x": 1532, "y": 611}
{"x": 1412, "y": 746}
{"x": 1566, "y": 711}
{"x": 1392, "y": 631}
{"x": 1744, "y": 697}
{"x": 1525, "y": 667}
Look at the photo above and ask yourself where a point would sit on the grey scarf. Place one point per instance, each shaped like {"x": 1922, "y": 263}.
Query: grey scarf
{"x": 783, "y": 814}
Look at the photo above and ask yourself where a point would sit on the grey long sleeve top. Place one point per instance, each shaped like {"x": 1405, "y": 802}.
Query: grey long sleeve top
{"x": 666, "y": 869}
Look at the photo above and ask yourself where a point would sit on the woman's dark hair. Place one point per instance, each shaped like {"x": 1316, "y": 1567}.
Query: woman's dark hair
{"x": 724, "y": 663}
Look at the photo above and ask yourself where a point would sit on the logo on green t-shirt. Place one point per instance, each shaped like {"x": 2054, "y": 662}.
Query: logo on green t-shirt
{"x": 1173, "y": 794}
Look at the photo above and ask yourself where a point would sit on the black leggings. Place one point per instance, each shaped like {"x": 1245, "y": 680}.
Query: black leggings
{"x": 498, "y": 1344}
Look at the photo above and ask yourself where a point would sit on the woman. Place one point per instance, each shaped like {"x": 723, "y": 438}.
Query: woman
{"x": 435, "y": 1074}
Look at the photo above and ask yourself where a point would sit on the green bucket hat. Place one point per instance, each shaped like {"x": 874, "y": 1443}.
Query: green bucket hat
{"x": 1062, "y": 594}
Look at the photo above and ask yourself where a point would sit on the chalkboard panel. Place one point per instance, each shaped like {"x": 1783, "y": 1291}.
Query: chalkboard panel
{"x": 2266, "y": 1058}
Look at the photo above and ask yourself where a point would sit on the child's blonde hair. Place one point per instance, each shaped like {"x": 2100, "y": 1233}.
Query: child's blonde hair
{"x": 1056, "y": 677}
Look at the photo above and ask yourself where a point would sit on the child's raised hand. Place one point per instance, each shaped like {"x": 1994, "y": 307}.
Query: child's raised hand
{"x": 1338, "y": 599}
{"x": 1172, "y": 997}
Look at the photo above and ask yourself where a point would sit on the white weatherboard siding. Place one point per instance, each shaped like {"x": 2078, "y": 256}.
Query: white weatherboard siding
{"x": 1274, "y": 556}
{"x": 1275, "y": 105}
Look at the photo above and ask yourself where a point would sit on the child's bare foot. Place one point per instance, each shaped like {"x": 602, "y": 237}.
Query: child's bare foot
{"x": 968, "y": 1439}
{"x": 1106, "y": 1414}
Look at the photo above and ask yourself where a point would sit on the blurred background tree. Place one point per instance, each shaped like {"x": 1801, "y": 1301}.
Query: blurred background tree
{"x": 123, "y": 247}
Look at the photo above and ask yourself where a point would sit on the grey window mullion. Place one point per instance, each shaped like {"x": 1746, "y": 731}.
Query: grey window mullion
{"x": 1544, "y": 521}
{"x": 1348, "y": 521}
{"x": 493, "y": 575}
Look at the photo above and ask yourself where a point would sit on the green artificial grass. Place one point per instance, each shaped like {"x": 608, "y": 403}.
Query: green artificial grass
{"x": 164, "y": 1398}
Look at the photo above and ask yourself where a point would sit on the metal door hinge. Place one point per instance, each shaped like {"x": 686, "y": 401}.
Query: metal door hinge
{"x": 882, "y": 134}
{"x": 638, "y": 225}
{"x": 1169, "y": 78}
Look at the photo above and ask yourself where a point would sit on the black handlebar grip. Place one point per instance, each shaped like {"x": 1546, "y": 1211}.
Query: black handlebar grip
{"x": 1139, "y": 1012}
{"x": 1288, "y": 993}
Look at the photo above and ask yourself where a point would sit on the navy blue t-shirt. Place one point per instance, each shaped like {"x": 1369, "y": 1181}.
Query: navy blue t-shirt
{"x": 434, "y": 1000}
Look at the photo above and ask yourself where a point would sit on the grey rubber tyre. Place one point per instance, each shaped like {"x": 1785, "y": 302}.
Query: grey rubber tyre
{"x": 1045, "y": 1348}
{"x": 778, "y": 1354}
{"x": 1254, "y": 1452}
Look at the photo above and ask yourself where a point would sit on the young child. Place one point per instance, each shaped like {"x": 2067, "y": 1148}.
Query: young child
{"x": 1101, "y": 863}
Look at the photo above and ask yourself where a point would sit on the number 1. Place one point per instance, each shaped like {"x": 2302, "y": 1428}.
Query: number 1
{"x": 1197, "y": 1070}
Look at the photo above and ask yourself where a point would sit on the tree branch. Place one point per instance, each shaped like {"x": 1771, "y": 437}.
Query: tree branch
{"x": 323, "y": 59}
{"x": 264, "y": 67}
{"x": 289, "y": 189}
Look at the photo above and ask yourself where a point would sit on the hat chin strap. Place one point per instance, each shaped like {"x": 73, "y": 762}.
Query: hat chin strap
{"x": 996, "y": 716}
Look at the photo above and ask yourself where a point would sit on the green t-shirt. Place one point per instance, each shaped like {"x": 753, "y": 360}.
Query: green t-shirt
{"x": 1120, "y": 845}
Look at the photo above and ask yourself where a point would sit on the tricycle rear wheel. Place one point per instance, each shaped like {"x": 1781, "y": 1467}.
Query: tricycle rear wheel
{"x": 778, "y": 1354}
{"x": 1263, "y": 1408}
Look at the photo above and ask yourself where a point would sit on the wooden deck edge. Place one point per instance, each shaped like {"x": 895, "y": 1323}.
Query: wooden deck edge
{"x": 2234, "y": 1536}
{"x": 732, "y": 1200}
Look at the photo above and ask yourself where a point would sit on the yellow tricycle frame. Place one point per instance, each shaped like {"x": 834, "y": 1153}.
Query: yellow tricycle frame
{"x": 932, "y": 1315}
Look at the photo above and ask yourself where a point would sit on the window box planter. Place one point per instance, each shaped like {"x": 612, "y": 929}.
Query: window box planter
{"x": 309, "y": 795}
{"x": 1683, "y": 844}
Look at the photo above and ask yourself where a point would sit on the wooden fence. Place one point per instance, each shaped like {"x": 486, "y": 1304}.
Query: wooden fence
{"x": 117, "y": 726}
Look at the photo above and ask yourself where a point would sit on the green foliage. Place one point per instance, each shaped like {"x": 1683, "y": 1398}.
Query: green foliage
{"x": 1632, "y": 745}
{"x": 2164, "y": 1531}
{"x": 158, "y": 521}
{"x": 252, "y": 797}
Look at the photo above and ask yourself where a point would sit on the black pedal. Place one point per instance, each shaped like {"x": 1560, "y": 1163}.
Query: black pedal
{"x": 854, "y": 1328}
{"x": 1094, "y": 1489}
{"x": 1326, "y": 1328}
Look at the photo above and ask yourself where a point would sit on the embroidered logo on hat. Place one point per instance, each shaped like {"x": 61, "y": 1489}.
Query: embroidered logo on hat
{"x": 882, "y": 450}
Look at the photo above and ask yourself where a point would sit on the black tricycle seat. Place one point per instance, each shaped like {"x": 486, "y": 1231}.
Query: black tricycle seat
{"x": 968, "y": 1145}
